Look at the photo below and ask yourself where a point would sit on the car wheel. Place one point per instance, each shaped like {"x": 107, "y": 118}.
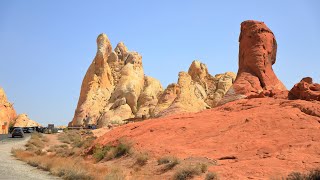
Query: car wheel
{"x": 12, "y": 136}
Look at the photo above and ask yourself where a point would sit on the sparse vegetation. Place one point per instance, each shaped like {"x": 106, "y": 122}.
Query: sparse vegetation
{"x": 109, "y": 152}
{"x": 66, "y": 168}
{"x": 188, "y": 172}
{"x": 142, "y": 159}
{"x": 169, "y": 161}
{"x": 115, "y": 174}
{"x": 36, "y": 143}
{"x": 77, "y": 138}
{"x": 312, "y": 175}
{"x": 211, "y": 176}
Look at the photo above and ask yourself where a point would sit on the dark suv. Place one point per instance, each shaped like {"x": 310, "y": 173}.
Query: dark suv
{"x": 17, "y": 132}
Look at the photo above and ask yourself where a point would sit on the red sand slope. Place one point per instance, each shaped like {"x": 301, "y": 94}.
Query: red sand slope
{"x": 269, "y": 137}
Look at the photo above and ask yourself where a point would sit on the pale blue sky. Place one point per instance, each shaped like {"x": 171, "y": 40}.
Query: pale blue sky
{"x": 47, "y": 46}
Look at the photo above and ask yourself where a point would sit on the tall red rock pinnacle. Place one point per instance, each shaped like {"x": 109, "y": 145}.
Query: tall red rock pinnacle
{"x": 257, "y": 54}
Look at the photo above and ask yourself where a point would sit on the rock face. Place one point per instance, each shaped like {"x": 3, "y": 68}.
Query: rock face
{"x": 257, "y": 54}
{"x": 259, "y": 132}
{"x": 115, "y": 89}
{"x": 195, "y": 91}
{"x": 305, "y": 90}
{"x": 7, "y": 113}
{"x": 24, "y": 121}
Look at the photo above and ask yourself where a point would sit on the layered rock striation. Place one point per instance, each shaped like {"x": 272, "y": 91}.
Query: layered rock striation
{"x": 305, "y": 90}
{"x": 257, "y": 54}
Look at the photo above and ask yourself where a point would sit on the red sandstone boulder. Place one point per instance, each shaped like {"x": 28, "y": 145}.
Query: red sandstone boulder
{"x": 305, "y": 90}
{"x": 257, "y": 54}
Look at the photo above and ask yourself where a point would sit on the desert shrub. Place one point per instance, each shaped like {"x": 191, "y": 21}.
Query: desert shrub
{"x": 110, "y": 152}
{"x": 123, "y": 148}
{"x": 115, "y": 174}
{"x": 99, "y": 152}
{"x": 211, "y": 176}
{"x": 169, "y": 161}
{"x": 21, "y": 154}
{"x": 164, "y": 160}
{"x": 296, "y": 176}
{"x": 77, "y": 138}
{"x": 312, "y": 175}
{"x": 188, "y": 172}
{"x": 142, "y": 159}
{"x": 76, "y": 173}
{"x": 203, "y": 167}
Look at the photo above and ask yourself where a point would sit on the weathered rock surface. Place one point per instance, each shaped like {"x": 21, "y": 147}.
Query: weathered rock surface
{"x": 24, "y": 121}
{"x": 96, "y": 87}
{"x": 257, "y": 54}
{"x": 270, "y": 137}
{"x": 305, "y": 90}
{"x": 7, "y": 112}
{"x": 195, "y": 91}
{"x": 115, "y": 89}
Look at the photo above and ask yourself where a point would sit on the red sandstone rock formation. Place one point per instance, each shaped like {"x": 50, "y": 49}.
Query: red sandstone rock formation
{"x": 305, "y": 90}
{"x": 257, "y": 54}
{"x": 7, "y": 113}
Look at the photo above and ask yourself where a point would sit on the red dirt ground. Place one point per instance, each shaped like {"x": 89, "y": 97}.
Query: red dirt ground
{"x": 268, "y": 137}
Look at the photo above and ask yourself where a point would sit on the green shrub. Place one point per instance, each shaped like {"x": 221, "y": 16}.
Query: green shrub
{"x": 122, "y": 149}
{"x": 99, "y": 152}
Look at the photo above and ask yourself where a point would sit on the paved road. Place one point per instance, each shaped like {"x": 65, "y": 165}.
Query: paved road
{"x": 12, "y": 169}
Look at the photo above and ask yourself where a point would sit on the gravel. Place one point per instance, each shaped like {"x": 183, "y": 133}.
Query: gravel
{"x": 11, "y": 168}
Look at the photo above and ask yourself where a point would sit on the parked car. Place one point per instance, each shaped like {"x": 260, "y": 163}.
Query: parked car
{"x": 17, "y": 132}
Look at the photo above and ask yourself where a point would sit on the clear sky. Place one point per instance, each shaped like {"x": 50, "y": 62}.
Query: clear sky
{"x": 47, "y": 46}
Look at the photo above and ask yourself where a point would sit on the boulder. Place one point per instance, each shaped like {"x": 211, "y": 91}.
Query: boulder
{"x": 257, "y": 54}
{"x": 24, "y": 121}
{"x": 189, "y": 99}
{"x": 305, "y": 90}
{"x": 149, "y": 97}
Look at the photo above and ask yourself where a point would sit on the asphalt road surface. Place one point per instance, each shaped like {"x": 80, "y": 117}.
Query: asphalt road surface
{"x": 13, "y": 169}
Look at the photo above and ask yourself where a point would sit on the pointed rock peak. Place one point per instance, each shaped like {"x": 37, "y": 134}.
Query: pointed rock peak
{"x": 103, "y": 44}
{"x": 197, "y": 70}
{"x": 121, "y": 50}
{"x": 3, "y": 97}
{"x": 133, "y": 58}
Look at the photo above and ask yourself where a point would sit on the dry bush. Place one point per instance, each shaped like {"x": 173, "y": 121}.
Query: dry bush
{"x": 312, "y": 175}
{"x": 169, "y": 161}
{"x": 211, "y": 176}
{"x": 77, "y": 138}
{"x": 67, "y": 168}
{"x": 142, "y": 159}
{"x": 109, "y": 152}
{"x": 21, "y": 154}
{"x": 115, "y": 174}
{"x": 188, "y": 172}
